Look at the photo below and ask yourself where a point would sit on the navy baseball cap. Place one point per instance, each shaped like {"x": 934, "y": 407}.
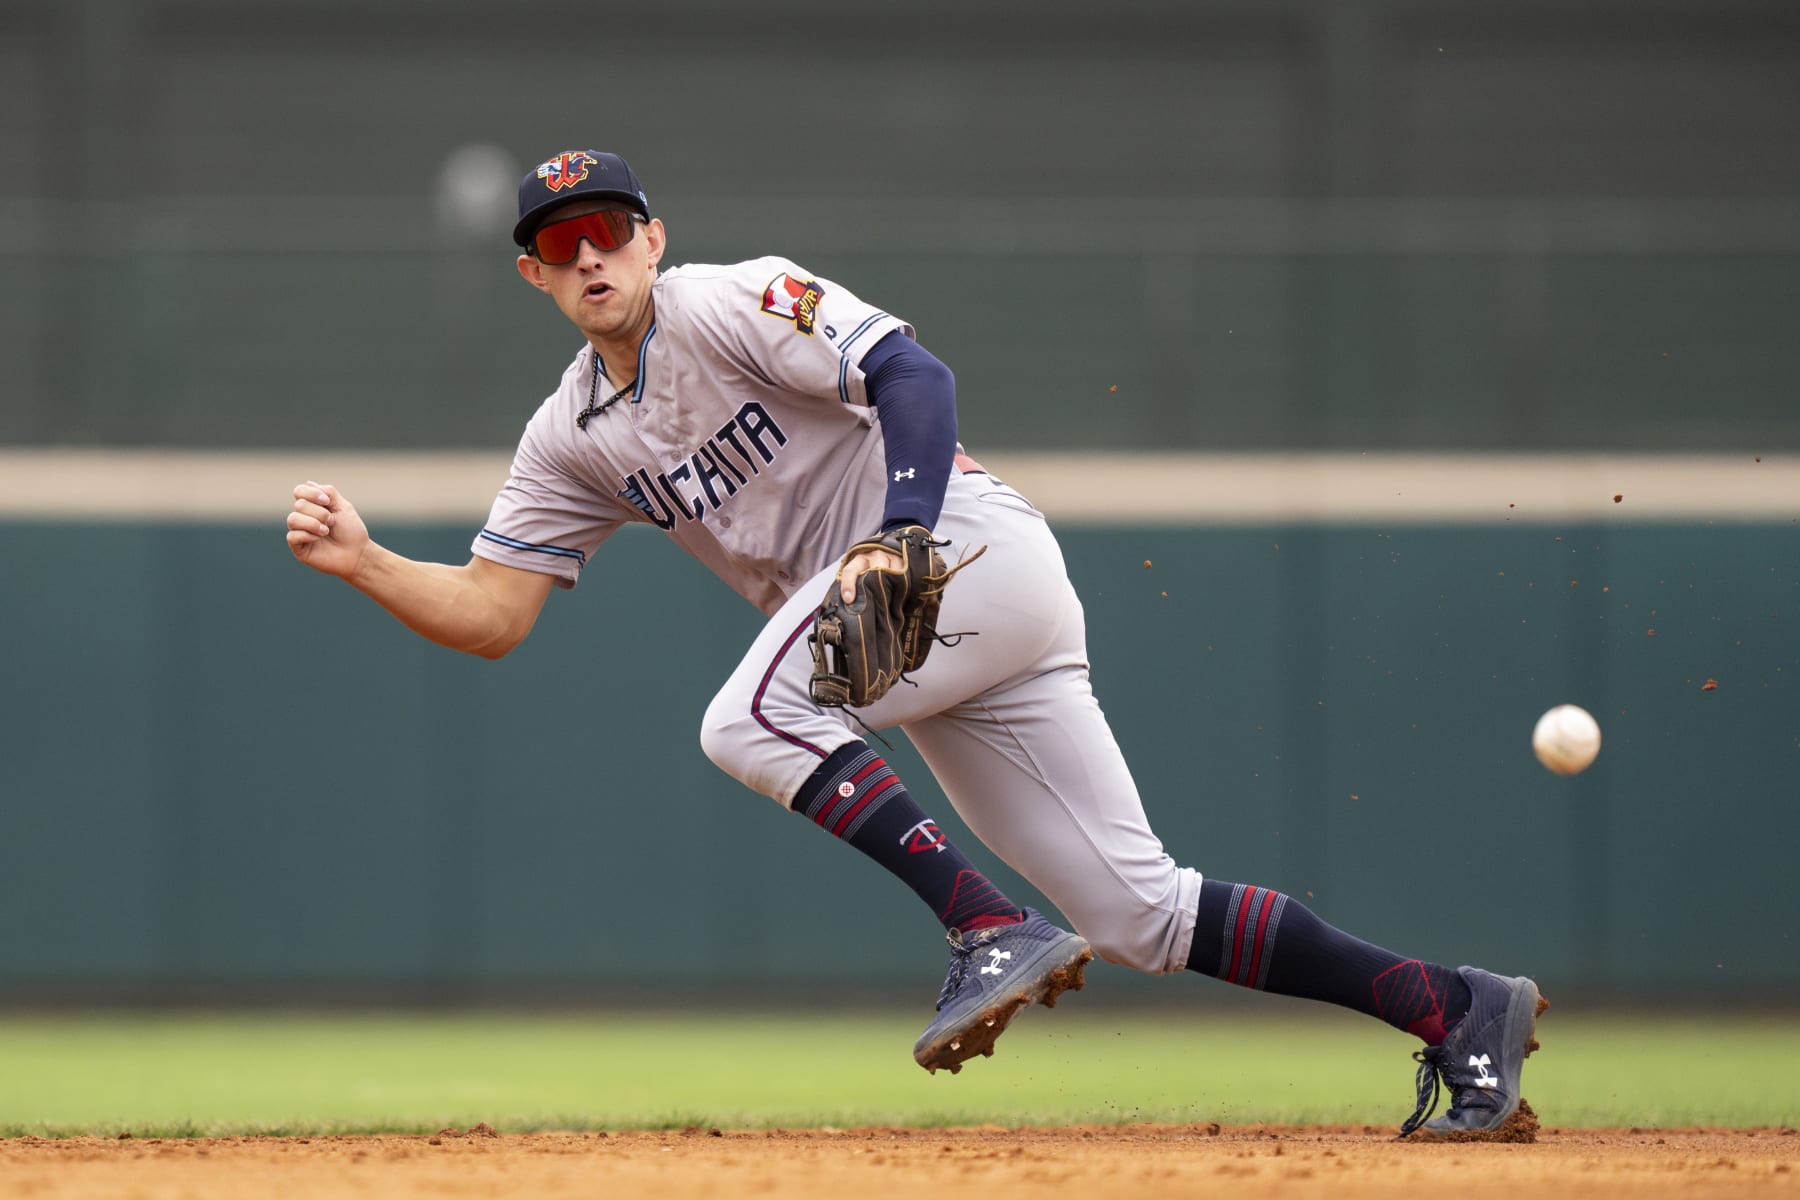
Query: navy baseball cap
{"x": 575, "y": 175}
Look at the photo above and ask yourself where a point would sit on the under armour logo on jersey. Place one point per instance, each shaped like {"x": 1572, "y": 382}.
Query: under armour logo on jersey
{"x": 995, "y": 958}
{"x": 924, "y": 836}
{"x": 1482, "y": 1077}
{"x": 795, "y": 300}
{"x": 906, "y": 474}
{"x": 566, "y": 169}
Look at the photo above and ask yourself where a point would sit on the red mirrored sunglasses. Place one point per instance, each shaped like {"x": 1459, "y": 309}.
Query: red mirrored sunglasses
{"x": 559, "y": 242}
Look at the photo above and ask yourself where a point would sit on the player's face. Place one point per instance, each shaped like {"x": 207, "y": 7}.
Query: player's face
{"x": 605, "y": 292}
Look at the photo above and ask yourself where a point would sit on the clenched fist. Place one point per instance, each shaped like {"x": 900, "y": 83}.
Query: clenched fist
{"x": 324, "y": 531}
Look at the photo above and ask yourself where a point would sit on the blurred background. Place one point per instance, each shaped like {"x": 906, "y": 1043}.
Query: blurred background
{"x": 240, "y": 240}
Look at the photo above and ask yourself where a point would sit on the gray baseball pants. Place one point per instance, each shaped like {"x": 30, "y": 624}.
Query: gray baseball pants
{"x": 1006, "y": 720}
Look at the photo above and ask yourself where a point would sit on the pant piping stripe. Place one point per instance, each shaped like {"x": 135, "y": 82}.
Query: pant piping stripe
{"x": 762, "y": 689}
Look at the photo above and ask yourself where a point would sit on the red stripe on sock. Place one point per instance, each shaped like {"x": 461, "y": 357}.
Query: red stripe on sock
{"x": 892, "y": 781}
{"x": 838, "y": 829}
{"x": 855, "y": 781}
{"x": 877, "y": 765}
{"x": 1261, "y": 924}
{"x": 1237, "y": 937}
{"x": 966, "y": 875}
{"x": 989, "y": 921}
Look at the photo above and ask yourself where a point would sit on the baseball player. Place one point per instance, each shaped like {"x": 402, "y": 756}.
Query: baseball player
{"x": 768, "y": 420}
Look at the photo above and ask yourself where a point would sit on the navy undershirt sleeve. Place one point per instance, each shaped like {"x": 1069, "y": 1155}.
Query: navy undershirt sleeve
{"x": 914, "y": 396}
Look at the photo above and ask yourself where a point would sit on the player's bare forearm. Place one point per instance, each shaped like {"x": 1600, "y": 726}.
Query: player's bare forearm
{"x": 480, "y": 608}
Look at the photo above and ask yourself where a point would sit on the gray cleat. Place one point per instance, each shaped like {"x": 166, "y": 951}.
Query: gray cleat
{"x": 1480, "y": 1061}
{"x": 995, "y": 973}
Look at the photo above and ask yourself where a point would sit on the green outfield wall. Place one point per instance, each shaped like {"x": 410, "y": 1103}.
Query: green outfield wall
{"x": 223, "y": 776}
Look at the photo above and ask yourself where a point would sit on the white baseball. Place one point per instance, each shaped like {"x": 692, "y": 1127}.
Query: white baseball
{"x": 1566, "y": 739}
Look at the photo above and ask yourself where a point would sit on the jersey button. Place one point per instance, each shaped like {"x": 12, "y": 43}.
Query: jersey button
{"x": 782, "y": 575}
{"x": 724, "y": 522}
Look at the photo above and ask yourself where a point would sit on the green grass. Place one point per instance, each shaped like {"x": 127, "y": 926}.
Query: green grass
{"x": 210, "y": 1073}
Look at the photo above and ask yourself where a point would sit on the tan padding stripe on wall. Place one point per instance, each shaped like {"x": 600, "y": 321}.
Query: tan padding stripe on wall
{"x": 1089, "y": 488}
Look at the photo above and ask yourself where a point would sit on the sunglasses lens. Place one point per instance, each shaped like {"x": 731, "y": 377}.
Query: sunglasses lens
{"x": 560, "y": 241}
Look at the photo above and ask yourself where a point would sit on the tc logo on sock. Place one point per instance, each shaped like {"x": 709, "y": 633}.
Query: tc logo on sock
{"x": 924, "y": 836}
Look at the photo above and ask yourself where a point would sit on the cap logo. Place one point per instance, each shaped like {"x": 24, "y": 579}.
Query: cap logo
{"x": 566, "y": 170}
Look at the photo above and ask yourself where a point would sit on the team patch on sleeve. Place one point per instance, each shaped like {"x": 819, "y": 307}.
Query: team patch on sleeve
{"x": 795, "y": 300}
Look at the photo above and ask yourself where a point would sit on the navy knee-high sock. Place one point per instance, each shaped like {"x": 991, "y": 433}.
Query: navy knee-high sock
{"x": 1263, "y": 939}
{"x": 855, "y": 795}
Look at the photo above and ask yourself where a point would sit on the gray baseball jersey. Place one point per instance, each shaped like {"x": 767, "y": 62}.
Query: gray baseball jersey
{"x": 747, "y": 437}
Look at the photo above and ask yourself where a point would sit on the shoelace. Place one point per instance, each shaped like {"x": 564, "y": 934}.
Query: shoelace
{"x": 1427, "y": 1083}
{"x": 960, "y": 954}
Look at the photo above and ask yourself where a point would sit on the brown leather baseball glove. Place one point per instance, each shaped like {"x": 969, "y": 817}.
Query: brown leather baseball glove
{"x": 862, "y": 648}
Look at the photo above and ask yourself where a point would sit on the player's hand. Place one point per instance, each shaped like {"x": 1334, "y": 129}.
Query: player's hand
{"x": 857, "y": 564}
{"x": 324, "y": 531}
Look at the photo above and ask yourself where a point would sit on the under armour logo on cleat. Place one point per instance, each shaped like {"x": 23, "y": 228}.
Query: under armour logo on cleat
{"x": 994, "y": 967}
{"x": 1483, "y": 1078}
{"x": 906, "y": 474}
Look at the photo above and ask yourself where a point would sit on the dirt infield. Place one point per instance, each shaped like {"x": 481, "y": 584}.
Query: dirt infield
{"x": 1131, "y": 1161}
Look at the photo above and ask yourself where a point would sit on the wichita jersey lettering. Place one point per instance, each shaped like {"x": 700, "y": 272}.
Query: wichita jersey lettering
{"x": 747, "y": 437}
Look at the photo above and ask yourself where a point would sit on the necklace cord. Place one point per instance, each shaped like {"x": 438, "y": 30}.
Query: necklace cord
{"x": 595, "y": 409}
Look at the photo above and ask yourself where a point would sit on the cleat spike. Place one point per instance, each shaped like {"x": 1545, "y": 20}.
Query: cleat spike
{"x": 1532, "y": 1045}
{"x": 956, "y": 1068}
{"x": 1542, "y": 1005}
{"x": 988, "y": 1053}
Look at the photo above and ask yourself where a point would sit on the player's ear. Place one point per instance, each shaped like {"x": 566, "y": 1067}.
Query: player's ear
{"x": 655, "y": 241}
{"x": 532, "y": 272}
